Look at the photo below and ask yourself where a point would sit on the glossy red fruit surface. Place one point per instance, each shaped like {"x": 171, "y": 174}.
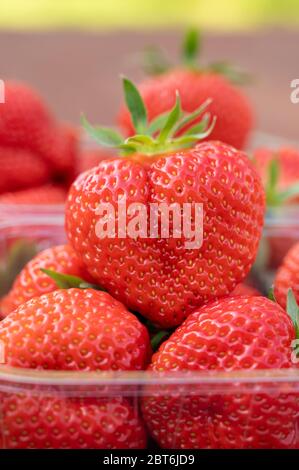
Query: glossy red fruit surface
{"x": 160, "y": 277}
{"x": 239, "y": 333}
{"x": 74, "y": 329}
{"x": 45, "y": 421}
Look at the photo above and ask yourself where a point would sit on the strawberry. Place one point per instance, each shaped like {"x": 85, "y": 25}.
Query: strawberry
{"x": 23, "y": 117}
{"x": 60, "y": 147}
{"x": 74, "y": 329}
{"x": 160, "y": 277}
{"x": 26, "y": 123}
{"x": 286, "y": 170}
{"x": 41, "y": 421}
{"x": 245, "y": 289}
{"x": 21, "y": 169}
{"x": 237, "y": 333}
{"x": 32, "y": 282}
{"x": 195, "y": 85}
{"x": 287, "y": 276}
{"x": 46, "y": 194}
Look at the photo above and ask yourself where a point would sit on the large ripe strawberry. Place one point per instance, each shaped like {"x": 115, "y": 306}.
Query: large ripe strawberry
{"x": 195, "y": 85}
{"x": 240, "y": 333}
{"x": 42, "y": 421}
{"x": 21, "y": 169}
{"x": 163, "y": 278}
{"x": 48, "y": 194}
{"x": 74, "y": 329}
{"x": 287, "y": 276}
{"x": 32, "y": 282}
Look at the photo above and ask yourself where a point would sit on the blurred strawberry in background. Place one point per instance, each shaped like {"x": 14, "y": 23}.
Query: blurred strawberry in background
{"x": 196, "y": 84}
{"x": 39, "y": 156}
{"x": 35, "y": 149}
{"x": 279, "y": 170}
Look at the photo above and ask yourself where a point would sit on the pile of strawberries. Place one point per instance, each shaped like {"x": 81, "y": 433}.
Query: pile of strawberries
{"x": 115, "y": 304}
{"x": 39, "y": 156}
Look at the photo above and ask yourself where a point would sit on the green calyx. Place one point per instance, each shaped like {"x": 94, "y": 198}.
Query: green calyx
{"x": 67, "y": 281}
{"x": 155, "y": 62}
{"x": 292, "y": 308}
{"x": 293, "y": 311}
{"x": 274, "y": 197}
{"x": 164, "y": 134}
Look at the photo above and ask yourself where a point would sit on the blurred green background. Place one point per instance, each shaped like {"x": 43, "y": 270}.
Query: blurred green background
{"x": 139, "y": 14}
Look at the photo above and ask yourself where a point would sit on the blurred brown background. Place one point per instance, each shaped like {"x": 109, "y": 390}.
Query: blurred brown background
{"x": 79, "y": 71}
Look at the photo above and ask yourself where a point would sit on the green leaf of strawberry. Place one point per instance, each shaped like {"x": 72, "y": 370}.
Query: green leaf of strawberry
{"x": 169, "y": 126}
{"x": 155, "y": 61}
{"x": 135, "y": 105}
{"x": 293, "y": 310}
{"x": 191, "y": 47}
{"x": 107, "y": 137}
{"x": 67, "y": 281}
{"x": 172, "y": 119}
{"x": 274, "y": 196}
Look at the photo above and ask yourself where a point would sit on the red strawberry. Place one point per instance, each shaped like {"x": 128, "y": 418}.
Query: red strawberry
{"x": 47, "y": 194}
{"x": 74, "y": 329}
{"x": 245, "y": 289}
{"x": 229, "y": 105}
{"x": 160, "y": 277}
{"x": 21, "y": 169}
{"x": 32, "y": 282}
{"x": 23, "y": 117}
{"x": 287, "y": 276}
{"x": 195, "y": 85}
{"x": 41, "y": 421}
{"x": 26, "y": 123}
{"x": 233, "y": 334}
{"x": 60, "y": 148}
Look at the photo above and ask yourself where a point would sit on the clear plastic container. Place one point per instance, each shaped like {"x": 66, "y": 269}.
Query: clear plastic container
{"x": 281, "y": 232}
{"x": 24, "y": 231}
{"x": 237, "y": 406}
{"x": 257, "y": 409}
